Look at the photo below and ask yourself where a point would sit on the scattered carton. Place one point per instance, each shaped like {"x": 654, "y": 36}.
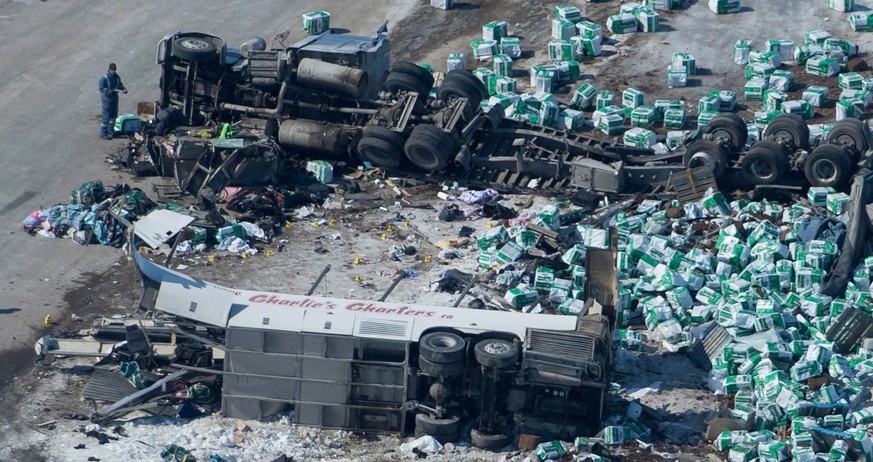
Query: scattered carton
{"x": 316, "y": 22}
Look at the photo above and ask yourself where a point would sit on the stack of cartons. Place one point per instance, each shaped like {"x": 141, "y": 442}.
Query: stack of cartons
{"x": 622, "y": 23}
{"x": 815, "y": 37}
{"x": 502, "y": 65}
{"x": 605, "y": 98}
{"x": 784, "y": 47}
{"x": 754, "y": 89}
{"x": 571, "y": 119}
{"x": 802, "y": 54}
{"x": 643, "y": 116}
{"x": 773, "y": 99}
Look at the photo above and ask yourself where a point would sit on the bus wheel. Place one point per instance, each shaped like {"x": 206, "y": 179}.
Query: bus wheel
{"x": 442, "y": 347}
{"x": 490, "y": 442}
{"x": 443, "y": 430}
{"x": 496, "y": 353}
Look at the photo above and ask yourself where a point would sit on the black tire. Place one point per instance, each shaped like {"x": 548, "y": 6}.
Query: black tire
{"x": 765, "y": 163}
{"x": 852, "y": 137}
{"x": 420, "y": 73}
{"x": 705, "y": 152}
{"x": 788, "y": 130}
{"x": 429, "y": 148}
{"x": 451, "y": 89}
{"x": 380, "y": 152}
{"x": 442, "y": 347}
{"x": 429, "y": 425}
{"x": 495, "y": 353}
{"x": 385, "y": 134}
{"x": 489, "y": 442}
{"x": 827, "y": 165}
{"x": 199, "y": 47}
{"x": 398, "y": 82}
{"x": 444, "y": 371}
{"x": 729, "y": 126}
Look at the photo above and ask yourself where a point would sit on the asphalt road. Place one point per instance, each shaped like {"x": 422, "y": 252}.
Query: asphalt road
{"x": 54, "y": 55}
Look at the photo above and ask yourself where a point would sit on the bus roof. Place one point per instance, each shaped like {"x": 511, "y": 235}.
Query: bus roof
{"x": 216, "y": 305}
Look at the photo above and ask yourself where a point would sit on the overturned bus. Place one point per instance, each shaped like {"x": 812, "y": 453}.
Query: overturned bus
{"x": 399, "y": 368}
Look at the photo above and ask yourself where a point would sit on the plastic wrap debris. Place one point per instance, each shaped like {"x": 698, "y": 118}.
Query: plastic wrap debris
{"x": 425, "y": 443}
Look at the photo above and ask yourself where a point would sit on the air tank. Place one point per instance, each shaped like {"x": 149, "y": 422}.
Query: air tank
{"x": 333, "y": 78}
{"x": 307, "y": 135}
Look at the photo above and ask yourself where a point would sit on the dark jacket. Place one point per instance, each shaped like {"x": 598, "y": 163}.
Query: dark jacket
{"x": 109, "y": 84}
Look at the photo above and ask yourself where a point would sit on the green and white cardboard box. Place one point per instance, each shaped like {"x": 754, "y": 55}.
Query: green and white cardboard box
{"x": 568, "y": 71}
{"x": 571, "y": 119}
{"x": 727, "y": 99}
{"x": 612, "y": 124}
{"x": 836, "y": 202}
{"x": 568, "y": 13}
{"x": 741, "y": 51}
{"x": 754, "y": 89}
{"x": 861, "y": 22}
{"x": 640, "y": 138}
{"x": 562, "y": 30}
{"x": 534, "y": 70}
{"x": 560, "y": 50}
{"x": 622, "y": 23}
{"x": 510, "y": 46}
{"x": 801, "y": 108}
{"x": 589, "y": 29}
{"x": 781, "y": 80}
{"x": 765, "y": 116}
{"x": 765, "y": 57}
{"x": 708, "y": 103}
{"x": 643, "y": 116}
{"x": 662, "y": 105}
{"x": 545, "y": 80}
{"x": 605, "y": 111}
{"x": 823, "y": 66}
{"x": 587, "y": 46}
{"x": 784, "y": 47}
{"x": 674, "y": 118}
{"x": 543, "y": 278}
{"x": 677, "y": 76}
{"x": 815, "y": 36}
{"x": 442, "y": 4}
{"x": 850, "y": 81}
{"x": 456, "y": 61}
{"x": 816, "y": 95}
{"x": 773, "y": 99}
{"x": 764, "y": 70}
{"x": 583, "y": 97}
{"x": 632, "y": 98}
{"x": 802, "y": 54}
{"x": 482, "y": 49}
{"x": 487, "y": 77}
{"x": 674, "y": 138}
{"x": 605, "y": 98}
{"x": 521, "y": 295}
{"x": 848, "y": 109}
{"x": 685, "y": 60}
{"x": 321, "y": 169}
{"x": 502, "y": 65}
{"x": 705, "y": 117}
{"x": 649, "y": 21}
{"x": 495, "y": 30}
{"x": 841, "y": 5}
{"x": 724, "y": 6}
{"x": 316, "y": 22}
{"x": 505, "y": 85}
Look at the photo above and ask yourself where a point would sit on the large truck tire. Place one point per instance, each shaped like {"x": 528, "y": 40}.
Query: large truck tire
{"x": 446, "y": 430}
{"x": 705, "y": 152}
{"x": 489, "y": 442}
{"x": 728, "y": 126}
{"x": 194, "y": 47}
{"x": 827, "y": 166}
{"x": 765, "y": 163}
{"x": 852, "y": 135}
{"x": 429, "y": 148}
{"x": 379, "y": 152}
{"x": 421, "y": 74}
{"x": 442, "y": 347}
{"x": 789, "y": 130}
{"x": 462, "y": 84}
{"x": 443, "y": 371}
{"x": 496, "y": 353}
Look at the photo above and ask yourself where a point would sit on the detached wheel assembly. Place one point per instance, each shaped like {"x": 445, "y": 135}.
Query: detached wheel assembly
{"x": 765, "y": 163}
{"x": 705, "y": 152}
{"x": 729, "y": 127}
{"x": 828, "y": 165}
{"x": 788, "y": 130}
{"x": 495, "y": 353}
{"x": 429, "y": 148}
{"x": 852, "y": 135}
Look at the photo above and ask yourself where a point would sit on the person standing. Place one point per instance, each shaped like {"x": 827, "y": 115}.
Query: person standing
{"x": 110, "y": 85}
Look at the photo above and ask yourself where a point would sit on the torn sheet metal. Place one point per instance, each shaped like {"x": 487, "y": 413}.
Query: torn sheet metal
{"x": 160, "y": 225}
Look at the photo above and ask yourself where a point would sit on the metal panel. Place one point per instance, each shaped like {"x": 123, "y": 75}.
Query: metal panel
{"x": 205, "y": 303}
{"x": 108, "y": 386}
{"x": 704, "y": 351}
{"x": 243, "y": 362}
{"x": 261, "y": 387}
{"x": 326, "y": 369}
{"x": 320, "y": 392}
{"x": 271, "y": 317}
{"x": 160, "y": 225}
{"x": 382, "y": 328}
{"x": 328, "y": 323}
{"x": 244, "y": 339}
{"x": 282, "y": 342}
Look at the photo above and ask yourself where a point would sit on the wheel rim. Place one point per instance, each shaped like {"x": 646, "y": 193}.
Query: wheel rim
{"x": 443, "y": 342}
{"x": 722, "y": 135}
{"x": 824, "y": 170}
{"x": 700, "y": 159}
{"x": 762, "y": 169}
{"x": 847, "y": 142}
{"x": 194, "y": 44}
{"x": 496, "y": 348}
{"x": 783, "y": 137}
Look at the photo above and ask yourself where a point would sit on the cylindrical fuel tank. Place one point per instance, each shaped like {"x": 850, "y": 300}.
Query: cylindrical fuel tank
{"x": 307, "y": 135}
{"x": 342, "y": 80}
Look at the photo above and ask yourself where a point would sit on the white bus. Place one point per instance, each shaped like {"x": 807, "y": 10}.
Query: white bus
{"x": 392, "y": 367}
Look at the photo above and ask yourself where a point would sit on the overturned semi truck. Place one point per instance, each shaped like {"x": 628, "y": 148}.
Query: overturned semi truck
{"x": 337, "y": 94}
{"x": 382, "y": 367}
